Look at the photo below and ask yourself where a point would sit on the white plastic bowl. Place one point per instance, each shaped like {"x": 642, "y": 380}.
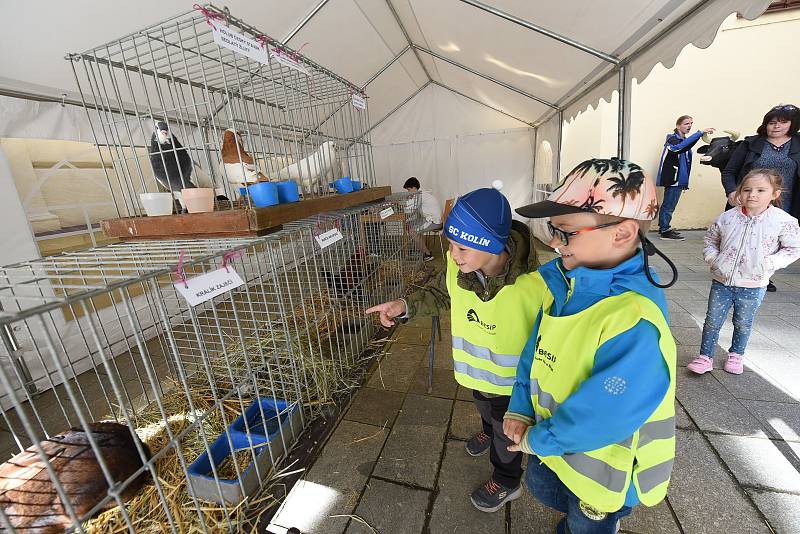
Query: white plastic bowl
{"x": 156, "y": 204}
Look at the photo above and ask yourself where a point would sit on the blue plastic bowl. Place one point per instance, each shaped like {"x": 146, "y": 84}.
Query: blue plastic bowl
{"x": 343, "y": 185}
{"x": 356, "y": 185}
{"x": 263, "y": 194}
{"x": 243, "y": 191}
{"x": 287, "y": 191}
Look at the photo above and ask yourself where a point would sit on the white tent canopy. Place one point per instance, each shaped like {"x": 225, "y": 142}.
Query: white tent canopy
{"x": 460, "y": 91}
{"x": 528, "y": 60}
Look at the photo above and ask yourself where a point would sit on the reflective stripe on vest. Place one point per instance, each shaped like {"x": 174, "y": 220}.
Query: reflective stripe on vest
{"x": 482, "y": 375}
{"x": 563, "y": 359}
{"x": 503, "y": 360}
{"x": 488, "y": 336}
{"x": 599, "y": 471}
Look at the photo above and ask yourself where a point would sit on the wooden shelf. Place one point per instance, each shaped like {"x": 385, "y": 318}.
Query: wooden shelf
{"x": 236, "y": 222}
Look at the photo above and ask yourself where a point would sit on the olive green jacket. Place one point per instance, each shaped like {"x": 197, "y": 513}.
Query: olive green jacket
{"x": 433, "y": 299}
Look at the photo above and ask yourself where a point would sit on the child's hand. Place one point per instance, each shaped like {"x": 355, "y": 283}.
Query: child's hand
{"x": 388, "y": 311}
{"x": 514, "y": 430}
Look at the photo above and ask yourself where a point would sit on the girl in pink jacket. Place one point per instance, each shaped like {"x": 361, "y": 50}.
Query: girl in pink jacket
{"x": 744, "y": 247}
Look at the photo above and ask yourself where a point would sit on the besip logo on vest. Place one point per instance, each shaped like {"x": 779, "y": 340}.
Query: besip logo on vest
{"x": 544, "y": 356}
{"x": 472, "y": 317}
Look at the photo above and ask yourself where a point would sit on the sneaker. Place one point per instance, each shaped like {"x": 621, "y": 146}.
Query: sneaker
{"x": 671, "y": 235}
{"x": 771, "y": 287}
{"x": 492, "y": 496}
{"x": 701, "y": 364}
{"x": 733, "y": 364}
{"x": 427, "y": 257}
{"x": 479, "y": 444}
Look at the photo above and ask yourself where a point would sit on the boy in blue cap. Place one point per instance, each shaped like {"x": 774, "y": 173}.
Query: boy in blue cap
{"x": 491, "y": 292}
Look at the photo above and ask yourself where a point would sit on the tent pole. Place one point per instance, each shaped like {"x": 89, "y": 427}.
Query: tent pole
{"x": 623, "y": 95}
{"x": 560, "y": 140}
{"x": 459, "y": 93}
{"x": 486, "y": 77}
{"x": 304, "y": 22}
{"x": 408, "y": 39}
{"x": 533, "y": 170}
{"x": 544, "y": 31}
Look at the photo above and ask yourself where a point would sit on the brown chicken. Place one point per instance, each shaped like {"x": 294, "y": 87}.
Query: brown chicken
{"x": 28, "y": 496}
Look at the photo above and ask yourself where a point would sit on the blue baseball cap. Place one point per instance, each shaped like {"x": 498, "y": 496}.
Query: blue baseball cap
{"x": 481, "y": 219}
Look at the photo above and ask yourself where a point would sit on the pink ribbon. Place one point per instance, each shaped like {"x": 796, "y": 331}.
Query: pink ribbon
{"x": 179, "y": 274}
{"x": 210, "y": 15}
{"x": 230, "y": 256}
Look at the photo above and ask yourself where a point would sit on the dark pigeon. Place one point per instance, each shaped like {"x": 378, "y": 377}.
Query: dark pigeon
{"x": 172, "y": 165}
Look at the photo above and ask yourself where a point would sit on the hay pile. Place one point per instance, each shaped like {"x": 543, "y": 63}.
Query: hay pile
{"x": 146, "y": 510}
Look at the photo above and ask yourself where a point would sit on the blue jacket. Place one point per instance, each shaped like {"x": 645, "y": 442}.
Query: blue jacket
{"x": 590, "y": 418}
{"x": 676, "y": 160}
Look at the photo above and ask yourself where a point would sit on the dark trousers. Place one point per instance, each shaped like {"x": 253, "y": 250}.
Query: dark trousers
{"x": 672, "y": 195}
{"x": 507, "y": 465}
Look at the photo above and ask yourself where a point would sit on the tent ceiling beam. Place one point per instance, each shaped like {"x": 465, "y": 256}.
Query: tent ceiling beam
{"x": 408, "y": 38}
{"x": 400, "y": 105}
{"x": 543, "y": 31}
{"x": 486, "y": 77}
{"x": 498, "y": 110}
{"x": 303, "y": 22}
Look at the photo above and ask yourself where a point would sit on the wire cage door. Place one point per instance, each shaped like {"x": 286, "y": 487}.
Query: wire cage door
{"x": 174, "y": 112}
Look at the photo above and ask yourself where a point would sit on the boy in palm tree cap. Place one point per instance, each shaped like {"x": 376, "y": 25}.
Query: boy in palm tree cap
{"x": 594, "y": 395}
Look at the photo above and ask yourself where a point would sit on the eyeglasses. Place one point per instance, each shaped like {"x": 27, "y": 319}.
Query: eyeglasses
{"x": 787, "y": 107}
{"x": 564, "y": 236}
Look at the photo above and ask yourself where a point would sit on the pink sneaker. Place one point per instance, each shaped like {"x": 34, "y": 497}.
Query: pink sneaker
{"x": 701, "y": 364}
{"x": 733, "y": 364}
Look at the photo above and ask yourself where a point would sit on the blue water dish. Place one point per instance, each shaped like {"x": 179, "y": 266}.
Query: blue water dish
{"x": 356, "y": 185}
{"x": 343, "y": 185}
{"x": 288, "y": 191}
{"x": 263, "y": 194}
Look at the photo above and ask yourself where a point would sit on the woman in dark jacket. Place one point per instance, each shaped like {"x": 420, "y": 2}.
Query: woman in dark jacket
{"x": 673, "y": 172}
{"x": 777, "y": 146}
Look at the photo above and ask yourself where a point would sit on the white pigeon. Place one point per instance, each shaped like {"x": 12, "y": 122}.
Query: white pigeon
{"x": 312, "y": 168}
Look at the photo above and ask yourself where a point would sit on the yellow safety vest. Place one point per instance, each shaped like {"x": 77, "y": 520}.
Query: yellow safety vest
{"x": 563, "y": 358}
{"x": 488, "y": 337}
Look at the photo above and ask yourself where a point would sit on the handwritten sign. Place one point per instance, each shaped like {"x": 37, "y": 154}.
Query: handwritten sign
{"x": 359, "y": 101}
{"x": 233, "y": 40}
{"x": 207, "y": 286}
{"x": 388, "y": 212}
{"x": 326, "y": 239}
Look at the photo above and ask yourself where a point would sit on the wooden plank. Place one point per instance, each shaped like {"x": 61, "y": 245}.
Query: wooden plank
{"x": 170, "y": 226}
{"x": 236, "y": 222}
{"x": 283, "y": 213}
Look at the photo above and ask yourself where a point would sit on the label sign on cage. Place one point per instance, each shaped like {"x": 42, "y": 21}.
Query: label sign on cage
{"x": 207, "y": 286}
{"x": 388, "y": 212}
{"x": 233, "y": 40}
{"x": 359, "y": 101}
{"x": 286, "y": 59}
{"x": 326, "y": 239}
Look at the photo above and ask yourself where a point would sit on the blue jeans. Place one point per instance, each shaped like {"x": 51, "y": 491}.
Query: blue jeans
{"x": 550, "y": 491}
{"x": 671, "y": 196}
{"x": 745, "y": 302}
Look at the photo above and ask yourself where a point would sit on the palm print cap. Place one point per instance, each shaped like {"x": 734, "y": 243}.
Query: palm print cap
{"x": 607, "y": 186}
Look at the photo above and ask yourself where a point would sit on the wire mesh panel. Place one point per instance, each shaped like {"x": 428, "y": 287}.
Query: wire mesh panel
{"x": 172, "y": 110}
{"x": 132, "y": 411}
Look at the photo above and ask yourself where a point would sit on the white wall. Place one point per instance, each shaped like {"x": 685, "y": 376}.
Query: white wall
{"x": 453, "y": 145}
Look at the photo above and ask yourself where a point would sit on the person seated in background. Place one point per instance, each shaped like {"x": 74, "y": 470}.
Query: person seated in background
{"x": 427, "y": 206}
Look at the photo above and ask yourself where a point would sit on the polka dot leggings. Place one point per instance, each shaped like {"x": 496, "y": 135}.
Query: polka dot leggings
{"x": 745, "y": 302}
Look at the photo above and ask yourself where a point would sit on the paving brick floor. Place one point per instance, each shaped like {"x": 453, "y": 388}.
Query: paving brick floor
{"x": 397, "y": 459}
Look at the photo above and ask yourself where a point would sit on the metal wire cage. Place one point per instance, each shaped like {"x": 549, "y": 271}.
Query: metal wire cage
{"x": 208, "y": 398}
{"x": 172, "y": 110}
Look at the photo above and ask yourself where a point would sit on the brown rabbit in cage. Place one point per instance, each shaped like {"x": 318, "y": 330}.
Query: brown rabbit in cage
{"x": 28, "y": 496}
